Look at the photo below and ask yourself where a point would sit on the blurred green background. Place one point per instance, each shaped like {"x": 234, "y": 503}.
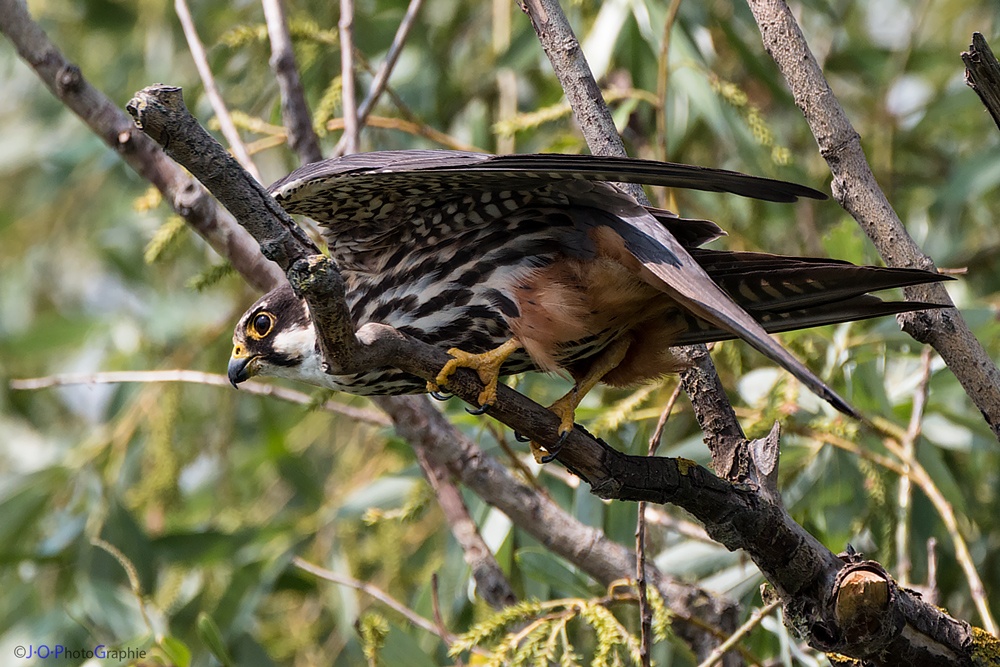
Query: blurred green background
{"x": 209, "y": 492}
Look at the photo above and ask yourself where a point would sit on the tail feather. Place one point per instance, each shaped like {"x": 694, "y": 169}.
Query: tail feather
{"x": 850, "y": 310}
{"x": 760, "y": 282}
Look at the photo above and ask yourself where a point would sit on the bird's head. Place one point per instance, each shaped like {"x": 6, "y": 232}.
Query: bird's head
{"x": 275, "y": 337}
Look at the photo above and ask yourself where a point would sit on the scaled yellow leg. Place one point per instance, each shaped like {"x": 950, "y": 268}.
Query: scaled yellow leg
{"x": 487, "y": 365}
{"x": 565, "y": 407}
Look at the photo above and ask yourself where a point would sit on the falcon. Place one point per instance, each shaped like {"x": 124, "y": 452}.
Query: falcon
{"x": 537, "y": 262}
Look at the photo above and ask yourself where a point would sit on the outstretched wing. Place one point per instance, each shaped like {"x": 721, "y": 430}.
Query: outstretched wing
{"x": 367, "y": 194}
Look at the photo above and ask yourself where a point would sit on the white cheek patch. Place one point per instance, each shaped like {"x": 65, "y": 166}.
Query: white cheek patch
{"x": 295, "y": 343}
{"x": 299, "y": 344}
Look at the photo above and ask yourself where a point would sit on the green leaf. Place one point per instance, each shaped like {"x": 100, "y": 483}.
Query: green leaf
{"x": 176, "y": 651}
{"x": 543, "y": 566}
{"x": 402, "y": 649}
{"x": 209, "y": 633}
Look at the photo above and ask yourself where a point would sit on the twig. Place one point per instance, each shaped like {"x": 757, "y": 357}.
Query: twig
{"x": 654, "y": 441}
{"x": 663, "y": 78}
{"x": 491, "y": 582}
{"x": 198, "y": 377}
{"x": 436, "y": 605}
{"x": 947, "y": 514}
{"x": 671, "y": 523}
{"x": 645, "y": 612}
{"x": 382, "y": 75}
{"x": 855, "y": 188}
{"x": 909, "y": 446}
{"x": 211, "y": 90}
{"x": 410, "y": 127}
{"x": 755, "y": 618}
{"x": 294, "y": 111}
{"x": 931, "y": 588}
{"x": 350, "y": 137}
{"x": 375, "y": 592}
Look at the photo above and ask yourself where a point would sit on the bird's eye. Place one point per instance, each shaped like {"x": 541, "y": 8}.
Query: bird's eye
{"x": 262, "y": 324}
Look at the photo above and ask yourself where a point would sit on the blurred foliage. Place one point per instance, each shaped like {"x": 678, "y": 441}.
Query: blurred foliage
{"x": 204, "y": 494}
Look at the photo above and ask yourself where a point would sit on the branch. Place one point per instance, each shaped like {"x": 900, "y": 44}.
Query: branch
{"x": 377, "y": 593}
{"x": 381, "y": 80}
{"x": 982, "y": 74}
{"x": 197, "y": 377}
{"x": 541, "y": 517}
{"x": 350, "y": 105}
{"x": 855, "y": 188}
{"x": 218, "y": 105}
{"x": 294, "y": 111}
{"x": 491, "y": 582}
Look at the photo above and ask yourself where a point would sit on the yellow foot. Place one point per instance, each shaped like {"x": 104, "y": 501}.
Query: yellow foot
{"x": 487, "y": 365}
{"x": 565, "y": 409}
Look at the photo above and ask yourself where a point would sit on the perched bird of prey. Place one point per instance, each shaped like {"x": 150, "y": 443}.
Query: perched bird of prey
{"x": 537, "y": 262}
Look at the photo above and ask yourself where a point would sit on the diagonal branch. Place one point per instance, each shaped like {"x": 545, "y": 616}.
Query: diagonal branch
{"x": 491, "y": 583}
{"x": 294, "y": 111}
{"x": 208, "y": 80}
{"x": 855, "y": 188}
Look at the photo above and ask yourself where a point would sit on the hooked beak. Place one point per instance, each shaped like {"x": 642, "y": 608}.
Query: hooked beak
{"x": 241, "y": 367}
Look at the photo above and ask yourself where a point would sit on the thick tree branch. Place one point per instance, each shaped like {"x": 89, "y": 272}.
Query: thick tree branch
{"x": 855, "y": 188}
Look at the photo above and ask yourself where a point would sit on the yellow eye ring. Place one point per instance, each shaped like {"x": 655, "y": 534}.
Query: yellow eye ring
{"x": 260, "y": 325}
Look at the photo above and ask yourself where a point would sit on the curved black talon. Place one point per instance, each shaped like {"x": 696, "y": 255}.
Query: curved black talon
{"x": 521, "y": 438}
{"x": 555, "y": 449}
{"x": 440, "y": 395}
{"x": 481, "y": 410}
